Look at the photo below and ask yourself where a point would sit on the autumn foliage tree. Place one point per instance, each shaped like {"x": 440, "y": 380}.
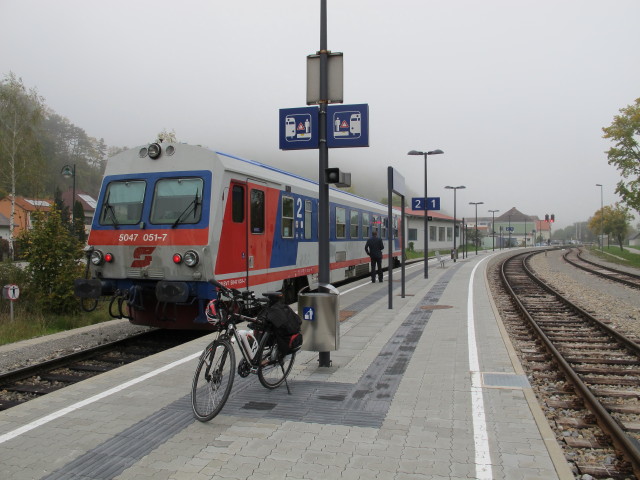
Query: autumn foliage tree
{"x": 613, "y": 221}
{"x": 625, "y": 154}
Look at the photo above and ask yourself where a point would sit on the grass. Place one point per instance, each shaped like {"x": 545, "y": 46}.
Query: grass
{"x": 26, "y": 325}
{"x": 615, "y": 255}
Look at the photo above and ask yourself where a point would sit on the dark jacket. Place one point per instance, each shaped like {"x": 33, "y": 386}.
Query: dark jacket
{"x": 374, "y": 247}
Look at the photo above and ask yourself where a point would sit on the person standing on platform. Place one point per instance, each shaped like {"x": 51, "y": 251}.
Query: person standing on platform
{"x": 374, "y": 247}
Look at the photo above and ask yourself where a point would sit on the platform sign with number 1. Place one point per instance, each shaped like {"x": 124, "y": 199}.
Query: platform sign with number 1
{"x": 418, "y": 203}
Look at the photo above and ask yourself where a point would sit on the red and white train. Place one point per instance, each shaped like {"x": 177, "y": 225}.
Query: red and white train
{"x": 172, "y": 216}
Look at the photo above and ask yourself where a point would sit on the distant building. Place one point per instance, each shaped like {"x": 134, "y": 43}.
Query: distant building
{"x": 440, "y": 230}
{"x": 515, "y": 228}
{"x": 88, "y": 205}
{"x": 4, "y": 227}
{"x": 24, "y": 209}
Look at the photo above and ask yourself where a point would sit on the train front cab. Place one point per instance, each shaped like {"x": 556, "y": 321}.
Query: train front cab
{"x": 149, "y": 248}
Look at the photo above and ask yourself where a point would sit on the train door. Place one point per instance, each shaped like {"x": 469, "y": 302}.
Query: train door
{"x": 258, "y": 244}
{"x": 243, "y": 256}
{"x": 232, "y": 258}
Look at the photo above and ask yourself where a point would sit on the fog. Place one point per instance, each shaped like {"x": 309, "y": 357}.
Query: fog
{"x": 515, "y": 93}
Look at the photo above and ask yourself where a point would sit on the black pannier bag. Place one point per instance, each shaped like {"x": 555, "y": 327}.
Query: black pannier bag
{"x": 286, "y": 326}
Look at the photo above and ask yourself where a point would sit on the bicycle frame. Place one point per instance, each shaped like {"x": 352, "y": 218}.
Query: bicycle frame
{"x": 231, "y": 332}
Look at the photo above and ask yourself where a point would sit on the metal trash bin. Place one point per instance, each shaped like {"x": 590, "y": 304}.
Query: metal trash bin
{"x": 319, "y": 312}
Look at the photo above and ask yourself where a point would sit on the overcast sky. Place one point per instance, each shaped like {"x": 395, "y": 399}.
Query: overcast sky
{"x": 515, "y": 92}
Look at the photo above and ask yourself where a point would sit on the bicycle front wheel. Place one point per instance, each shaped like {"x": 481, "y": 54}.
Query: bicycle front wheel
{"x": 213, "y": 380}
{"x": 274, "y": 367}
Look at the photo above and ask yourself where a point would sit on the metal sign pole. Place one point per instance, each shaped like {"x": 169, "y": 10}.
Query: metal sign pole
{"x": 324, "y": 276}
{"x": 395, "y": 184}
{"x": 390, "y": 231}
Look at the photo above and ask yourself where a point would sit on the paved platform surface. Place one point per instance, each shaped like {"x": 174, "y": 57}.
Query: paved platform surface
{"x": 429, "y": 389}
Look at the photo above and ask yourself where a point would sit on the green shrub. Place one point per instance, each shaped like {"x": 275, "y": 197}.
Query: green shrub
{"x": 53, "y": 255}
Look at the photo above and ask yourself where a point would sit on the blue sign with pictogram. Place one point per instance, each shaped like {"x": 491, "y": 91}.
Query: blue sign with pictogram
{"x": 433, "y": 203}
{"x": 299, "y": 128}
{"x": 309, "y": 314}
{"x": 348, "y": 126}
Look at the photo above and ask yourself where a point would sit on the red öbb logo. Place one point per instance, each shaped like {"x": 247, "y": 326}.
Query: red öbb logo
{"x": 142, "y": 256}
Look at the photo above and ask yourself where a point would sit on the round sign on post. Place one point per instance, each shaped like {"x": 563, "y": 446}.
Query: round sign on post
{"x": 12, "y": 292}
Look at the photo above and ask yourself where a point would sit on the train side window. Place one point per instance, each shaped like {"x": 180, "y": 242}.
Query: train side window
{"x": 341, "y": 218}
{"x": 237, "y": 204}
{"x": 354, "y": 221}
{"x": 308, "y": 210}
{"x": 376, "y": 224}
{"x": 177, "y": 200}
{"x": 123, "y": 203}
{"x": 287, "y": 217}
{"x": 385, "y": 224}
{"x": 395, "y": 226}
{"x": 366, "y": 225}
{"x": 257, "y": 211}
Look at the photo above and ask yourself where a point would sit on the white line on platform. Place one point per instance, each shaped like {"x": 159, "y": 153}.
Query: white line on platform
{"x": 46, "y": 419}
{"x": 480, "y": 437}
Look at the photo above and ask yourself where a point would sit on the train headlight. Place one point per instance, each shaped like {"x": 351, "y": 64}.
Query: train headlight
{"x": 177, "y": 258}
{"x": 97, "y": 258}
{"x": 108, "y": 257}
{"x": 191, "y": 258}
{"x": 154, "y": 150}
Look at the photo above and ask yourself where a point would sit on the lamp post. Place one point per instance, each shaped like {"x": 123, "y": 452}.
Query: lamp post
{"x": 455, "y": 221}
{"x": 476, "y": 204}
{"x": 493, "y": 228}
{"x": 426, "y": 210}
{"x": 601, "y": 218}
{"x": 67, "y": 172}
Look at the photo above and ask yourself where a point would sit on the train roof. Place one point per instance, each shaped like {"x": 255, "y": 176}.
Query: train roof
{"x": 204, "y": 158}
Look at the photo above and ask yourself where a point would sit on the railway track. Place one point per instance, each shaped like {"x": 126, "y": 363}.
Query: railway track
{"x": 575, "y": 258}
{"x": 20, "y": 386}
{"x": 599, "y": 393}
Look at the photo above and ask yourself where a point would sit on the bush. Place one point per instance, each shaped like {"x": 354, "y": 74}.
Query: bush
{"x": 54, "y": 257}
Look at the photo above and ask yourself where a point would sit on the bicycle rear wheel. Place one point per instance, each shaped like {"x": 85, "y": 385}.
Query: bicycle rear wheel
{"x": 274, "y": 367}
{"x": 213, "y": 380}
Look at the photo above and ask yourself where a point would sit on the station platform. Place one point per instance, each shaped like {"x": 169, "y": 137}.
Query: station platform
{"x": 429, "y": 389}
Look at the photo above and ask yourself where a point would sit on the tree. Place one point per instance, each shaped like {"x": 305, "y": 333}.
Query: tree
{"x": 612, "y": 220}
{"x": 20, "y": 113}
{"x": 625, "y": 155}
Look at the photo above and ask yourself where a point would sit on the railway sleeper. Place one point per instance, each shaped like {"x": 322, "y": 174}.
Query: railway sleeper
{"x": 607, "y": 371}
{"x": 576, "y": 422}
{"x": 36, "y": 389}
{"x": 602, "y": 471}
{"x": 604, "y": 361}
{"x": 611, "y": 381}
{"x": 626, "y": 409}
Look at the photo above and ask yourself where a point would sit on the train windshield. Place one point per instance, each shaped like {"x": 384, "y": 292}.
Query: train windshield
{"x": 177, "y": 201}
{"x": 123, "y": 203}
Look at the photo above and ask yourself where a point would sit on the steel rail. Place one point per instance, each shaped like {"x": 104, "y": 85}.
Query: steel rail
{"x": 629, "y": 283}
{"x": 625, "y": 444}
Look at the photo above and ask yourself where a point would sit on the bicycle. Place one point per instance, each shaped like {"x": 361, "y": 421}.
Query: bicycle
{"x": 216, "y": 368}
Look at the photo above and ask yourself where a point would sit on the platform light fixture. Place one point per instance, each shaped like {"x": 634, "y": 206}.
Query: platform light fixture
{"x": 426, "y": 216}
{"x": 455, "y": 221}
